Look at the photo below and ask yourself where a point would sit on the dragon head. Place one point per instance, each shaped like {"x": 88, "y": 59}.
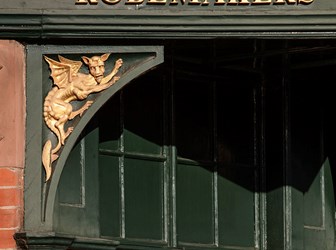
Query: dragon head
{"x": 96, "y": 66}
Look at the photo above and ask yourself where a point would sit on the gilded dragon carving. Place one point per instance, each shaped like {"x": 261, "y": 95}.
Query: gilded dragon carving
{"x": 70, "y": 85}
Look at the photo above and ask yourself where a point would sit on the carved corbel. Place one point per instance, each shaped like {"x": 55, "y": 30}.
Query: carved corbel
{"x": 70, "y": 85}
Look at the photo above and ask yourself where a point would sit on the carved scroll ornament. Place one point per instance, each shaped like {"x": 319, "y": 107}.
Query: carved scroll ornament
{"x": 70, "y": 85}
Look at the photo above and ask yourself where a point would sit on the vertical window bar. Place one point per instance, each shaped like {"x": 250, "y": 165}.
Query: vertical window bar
{"x": 215, "y": 151}
{"x": 262, "y": 173}
{"x": 82, "y": 173}
{"x": 259, "y": 158}
{"x": 286, "y": 143}
{"x": 173, "y": 160}
{"x": 260, "y": 176}
{"x": 215, "y": 172}
{"x": 166, "y": 174}
{"x": 121, "y": 169}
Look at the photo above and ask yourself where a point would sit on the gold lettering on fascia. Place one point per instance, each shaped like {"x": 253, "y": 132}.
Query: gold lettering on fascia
{"x": 86, "y": 2}
{"x": 111, "y": 1}
{"x": 198, "y": 2}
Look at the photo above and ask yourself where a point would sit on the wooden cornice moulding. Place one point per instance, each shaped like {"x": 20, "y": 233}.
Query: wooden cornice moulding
{"x": 165, "y": 23}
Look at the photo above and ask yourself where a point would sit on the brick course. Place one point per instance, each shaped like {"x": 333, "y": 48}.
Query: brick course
{"x": 10, "y": 217}
{"x": 10, "y": 177}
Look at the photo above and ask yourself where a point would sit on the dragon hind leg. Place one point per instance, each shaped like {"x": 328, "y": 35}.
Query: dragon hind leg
{"x": 60, "y": 127}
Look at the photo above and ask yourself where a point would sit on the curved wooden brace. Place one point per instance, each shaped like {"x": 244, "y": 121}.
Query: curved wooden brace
{"x": 50, "y": 188}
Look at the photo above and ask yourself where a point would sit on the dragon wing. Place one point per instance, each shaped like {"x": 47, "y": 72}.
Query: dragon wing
{"x": 63, "y": 71}
{"x": 75, "y": 65}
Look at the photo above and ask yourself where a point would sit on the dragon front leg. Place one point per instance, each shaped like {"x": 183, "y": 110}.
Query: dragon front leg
{"x": 81, "y": 110}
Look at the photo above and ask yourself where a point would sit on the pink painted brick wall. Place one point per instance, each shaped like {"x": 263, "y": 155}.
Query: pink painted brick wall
{"x": 12, "y": 140}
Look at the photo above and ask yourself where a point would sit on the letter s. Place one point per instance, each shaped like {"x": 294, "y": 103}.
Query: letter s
{"x": 305, "y": 1}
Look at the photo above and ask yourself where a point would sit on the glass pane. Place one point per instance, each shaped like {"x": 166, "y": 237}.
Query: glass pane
{"x": 109, "y": 124}
{"x": 195, "y": 214}
{"x": 144, "y": 115}
{"x": 235, "y": 123}
{"x": 109, "y": 196}
{"x": 144, "y": 199}
{"x": 193, "y": 107}
{"x": 306, "y": 142}
{"x": 236, "y": 206}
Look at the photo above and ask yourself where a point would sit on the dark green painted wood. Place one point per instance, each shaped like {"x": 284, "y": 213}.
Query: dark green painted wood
{"x": 62, "y": 19}
{"x": 33, "y": 185}
{"x": 82, "y": 218}
{"x": 136, "y": 62}
{"x": 52, "y": 241}
{"x": 65, "y": 4}
{"x": 72, "y": 184}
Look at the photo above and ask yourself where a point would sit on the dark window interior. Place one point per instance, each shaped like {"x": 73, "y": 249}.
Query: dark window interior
{"x": 203, "y": 151}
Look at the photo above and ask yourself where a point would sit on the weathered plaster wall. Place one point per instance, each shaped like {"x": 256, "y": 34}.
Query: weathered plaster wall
{"x": 12, "y": 140}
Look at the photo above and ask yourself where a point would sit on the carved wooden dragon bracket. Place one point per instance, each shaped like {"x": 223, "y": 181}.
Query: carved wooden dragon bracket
{"x": 70, "y": 85}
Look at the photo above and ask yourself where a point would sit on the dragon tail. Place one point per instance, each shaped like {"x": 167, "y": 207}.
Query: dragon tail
{"x": 48, "y": 153}
{"x": 46, "y": 159}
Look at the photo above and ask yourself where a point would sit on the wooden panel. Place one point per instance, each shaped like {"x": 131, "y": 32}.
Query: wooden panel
{"x": 72, "y": 183}
{"x": 78, "y": 213}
